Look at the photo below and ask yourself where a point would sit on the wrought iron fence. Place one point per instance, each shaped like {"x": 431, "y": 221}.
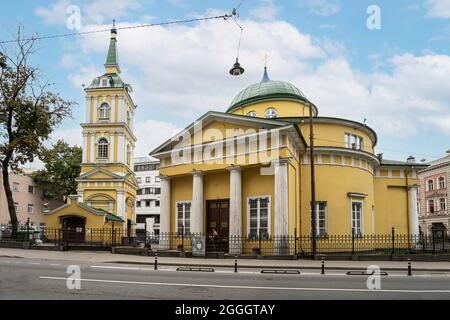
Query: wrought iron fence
{"x": 291, "y": 245}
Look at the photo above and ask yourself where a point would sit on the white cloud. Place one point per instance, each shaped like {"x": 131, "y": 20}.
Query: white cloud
{"x": 438, "y": 8}
{"x": 54, "y": 15}
{"x": 320, "y": 7}
{"x": 151, "y": 134}
{"x": 267, "y": 11}
{"x": 96, "y": 12}
{"x": 72, "y": 136}
{"x": 181, "y": 72}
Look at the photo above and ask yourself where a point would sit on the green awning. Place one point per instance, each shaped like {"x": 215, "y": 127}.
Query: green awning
{"x": 113, "y": 218}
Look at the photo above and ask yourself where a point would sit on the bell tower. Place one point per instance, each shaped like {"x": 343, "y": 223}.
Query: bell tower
{"x": 107, "y": 181}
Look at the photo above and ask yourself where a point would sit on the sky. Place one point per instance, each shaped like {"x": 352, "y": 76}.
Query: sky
{"x": 390, "y": 69}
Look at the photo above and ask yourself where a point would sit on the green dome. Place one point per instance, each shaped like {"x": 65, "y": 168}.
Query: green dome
{"x": 267, "y": 90}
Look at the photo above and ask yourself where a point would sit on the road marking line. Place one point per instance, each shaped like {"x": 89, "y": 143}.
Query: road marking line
{"x": 33, "y": 263}
{"x": 246, "y": 287}
{"x": 54, "y": 264}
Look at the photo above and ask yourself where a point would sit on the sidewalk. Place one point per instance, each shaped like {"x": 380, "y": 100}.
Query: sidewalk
{"x": 106, "y": 257}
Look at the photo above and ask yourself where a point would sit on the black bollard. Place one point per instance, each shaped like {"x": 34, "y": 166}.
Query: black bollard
{"x": 323, "y": 265}
{"x": 409, "y": 267}
{"x": 156, "y": 261}
{"x": 235, "y": 264}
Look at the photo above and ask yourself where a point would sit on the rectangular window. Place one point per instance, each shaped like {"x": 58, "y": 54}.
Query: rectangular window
{"x": 431, "y": 206}
{"x": 258, "y": 220}
{"x": 430, "y": 185}
{"x": 441, "y": 183}
{"x": 30, "y": 209}
{"x": 157, "y": 203}
{"x": 148, "y": 203}
{"x": 139, "y": 192}
{"x": 321, "y": 212}
{"x": 183, "y": 217}
{"x": 138, "y": 179}
{"x": 357, "y": 216}
{"x": 353, "y": 141}
{"x": 16, "y": 186}
{"x": 157, "y": 190}
{"x": 148, "y": 180}
{"x": 16, "y": 207}
{"x": 30, "y": 189}
{"x": 442, "y": 204}
{"x": 138, "y": 204}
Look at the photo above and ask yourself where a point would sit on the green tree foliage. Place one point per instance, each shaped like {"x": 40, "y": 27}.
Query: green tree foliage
{"x": 62, "y": 168}
{"x": 30, "y": 110}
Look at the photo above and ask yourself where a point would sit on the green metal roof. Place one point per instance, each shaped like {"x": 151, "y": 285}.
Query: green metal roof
{"x": 112, "y": 59}
{"x": 267, "y": 90}
{"x": 114, "y": 81}
{"x": 113, "y": 218}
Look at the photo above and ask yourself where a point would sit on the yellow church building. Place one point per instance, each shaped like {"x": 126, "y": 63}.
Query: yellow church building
{"x": 245, "y": 174}
{"x": 107, "y": 185}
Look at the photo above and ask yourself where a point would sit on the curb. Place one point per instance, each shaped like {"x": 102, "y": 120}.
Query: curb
{"x": 170, "y": 264}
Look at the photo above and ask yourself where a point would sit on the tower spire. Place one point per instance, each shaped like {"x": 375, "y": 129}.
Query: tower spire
{"x": 112, "y": 59}
{"x": 265, "y": 75}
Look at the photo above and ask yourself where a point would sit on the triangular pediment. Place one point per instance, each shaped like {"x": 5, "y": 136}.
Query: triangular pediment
{"x": 100, "y": 174}
{"x": 213, "y": 122}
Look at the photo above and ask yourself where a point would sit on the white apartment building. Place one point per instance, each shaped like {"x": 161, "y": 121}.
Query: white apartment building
{"x": 148, "y": 196}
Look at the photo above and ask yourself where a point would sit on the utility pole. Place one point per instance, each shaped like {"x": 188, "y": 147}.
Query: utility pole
{"x": 313, "y": 184}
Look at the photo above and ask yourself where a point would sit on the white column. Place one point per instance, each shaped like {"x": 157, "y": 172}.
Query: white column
{"x": 121, "y": 111}
{"x": 88, "y": 109}
{"x": 80, "y": 196}
{"x": 235, "y": 241}
{"x": 120, "y": 206}
{"x": 85, "y": 147}
{"x": 281, "y": 205}
{"x": 164, "y": 220}
{"x": 197, "y": 202}
{"x": 120, "y": 147}
{"x": 94, "y": 113}
{"x": 112, "y": 146}
{"x": 413, "y": 214}
{"x": 113, "y": 108}
{"x": 92, "y": 148}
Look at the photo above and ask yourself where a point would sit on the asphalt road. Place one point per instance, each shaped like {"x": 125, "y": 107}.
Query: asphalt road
{"x": 47, "y": 279}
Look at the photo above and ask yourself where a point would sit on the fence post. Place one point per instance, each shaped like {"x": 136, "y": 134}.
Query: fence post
{"x": 260, "y": 241}
{"x": 433, "y": 240}
{"x": 295, "y": 242}
{"x": 235, "y": 264}
{"x": 409, "y": 267}
{"x": 353, "y": 241}
{"x": 156, "y": 261}
{"x": 182, "y": 238}
{"x": 393, "y": 240}
{"x": 28, "y": 229}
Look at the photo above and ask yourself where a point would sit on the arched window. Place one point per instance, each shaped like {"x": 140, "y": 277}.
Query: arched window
{"x": 252, "y": 114}
{"x": 128, "y": 154}
{"x": 104, "y": 111}
{"x": 271, "y": 113}
{"x": 102, "y": 148}
{"x": 431, "y": 206}
{"x": 430, "y": 185}
{"x": 128, "y": 119}
{"x": 442, "y": 204}
{"x": 441, "y": 183}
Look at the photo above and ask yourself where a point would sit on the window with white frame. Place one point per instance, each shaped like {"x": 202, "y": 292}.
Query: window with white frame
{"x": 139, "y": 179}
{"x": 104, "y": 111}
{"x": 441, "y": 183}
{"x": 321, "y": 214}
{"x": 102, "y": 148}
{"x": 148, "y": 180}
{"x": 105, "y": 82}
{"x": 183, "y": 217}
{"x": 353, "y": 141}
{"x": 357, "y": 217}
{"x": 442, "y": 204}
{"x": 271, "y": 113}
{"x": 16, "y": 186}
{"x": 258, "y": 217}
{"x": 252, "y": 114}
{"x": 430, "y": 185}
{"x": 431, "y": 206}
{"x": 30, "y": 209}
{"x": 31, "y": 189}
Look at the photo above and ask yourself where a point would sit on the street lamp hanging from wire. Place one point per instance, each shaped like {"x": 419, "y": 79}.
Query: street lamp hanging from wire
{"x": 237, "y": 69}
